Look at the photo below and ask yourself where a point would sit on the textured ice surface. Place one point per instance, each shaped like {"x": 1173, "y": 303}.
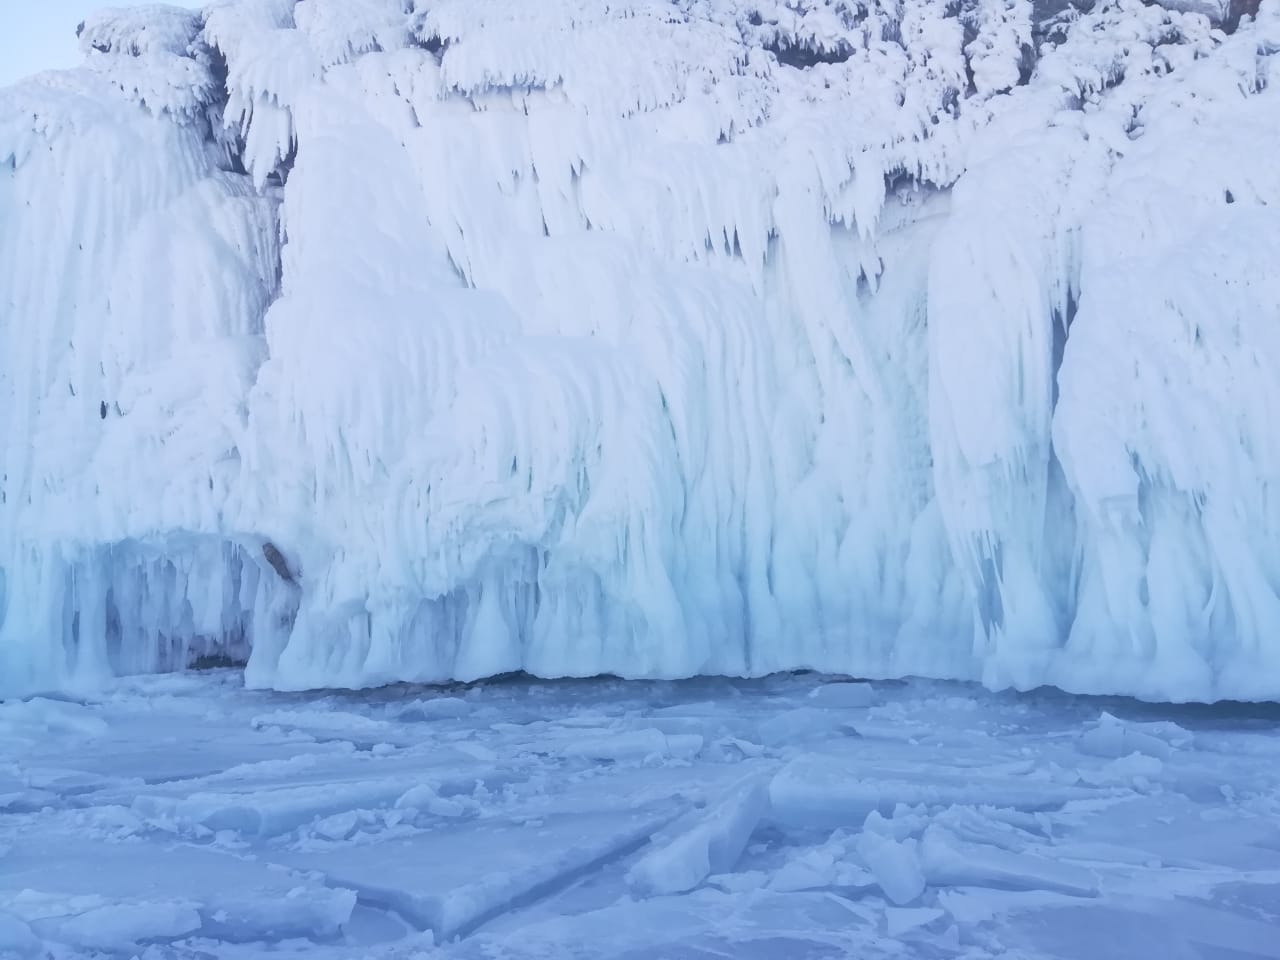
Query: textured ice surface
{"x": 378, "y": 340}
{"x": 507, "y": 845}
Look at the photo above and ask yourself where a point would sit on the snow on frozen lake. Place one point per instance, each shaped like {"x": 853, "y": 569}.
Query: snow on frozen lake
{"x": 792, "y": 817}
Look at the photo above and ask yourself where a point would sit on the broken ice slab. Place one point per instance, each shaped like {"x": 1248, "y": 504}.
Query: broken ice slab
{"x": 705, "y": 842}
{"x": 250, "y": 801}
{"x": 435, "y": 880}
{"x": 707, "y": 923}
{"x": 340, "y": 726}
{"x": 269, "y": 813}
{"x": 632, "y": 746}
{"x": 826, "y": 791}
{"x": 895, "y": 866}
{"x": 949, "y": 861}
{"x": 105, "y": 895}
{"x": 1112, "y": 737}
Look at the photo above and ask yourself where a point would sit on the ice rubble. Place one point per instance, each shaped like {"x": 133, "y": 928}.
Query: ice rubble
{"x": 183, "y": 816}
{"x": 398, "y": 339}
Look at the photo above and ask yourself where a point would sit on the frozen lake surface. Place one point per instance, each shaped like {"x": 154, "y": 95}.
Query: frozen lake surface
{"x": 794, "y": 817}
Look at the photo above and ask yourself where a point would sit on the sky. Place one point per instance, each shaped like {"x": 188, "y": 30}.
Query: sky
{"x": 41, "y": 34}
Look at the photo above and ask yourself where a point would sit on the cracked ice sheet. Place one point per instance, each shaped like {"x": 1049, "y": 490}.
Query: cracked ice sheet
{"x": 184, "y": 817}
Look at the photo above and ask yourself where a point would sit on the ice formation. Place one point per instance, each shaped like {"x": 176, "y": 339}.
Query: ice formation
{"x": 426, "y": 339}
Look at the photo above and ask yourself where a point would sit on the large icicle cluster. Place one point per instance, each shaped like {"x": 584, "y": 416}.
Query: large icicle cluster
{"x": 427, "y": 339}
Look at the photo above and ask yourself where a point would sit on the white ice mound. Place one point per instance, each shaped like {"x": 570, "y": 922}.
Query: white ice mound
{"x": 421, "y": 339}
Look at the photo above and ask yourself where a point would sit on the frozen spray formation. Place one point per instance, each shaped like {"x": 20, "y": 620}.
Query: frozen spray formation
{"x": 424, "y": 339}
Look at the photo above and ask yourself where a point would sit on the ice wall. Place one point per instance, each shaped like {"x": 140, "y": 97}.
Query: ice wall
{"x": 427, "y": 339}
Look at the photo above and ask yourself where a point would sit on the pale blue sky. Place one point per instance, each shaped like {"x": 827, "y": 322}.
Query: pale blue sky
{"x": 41, "y": 34}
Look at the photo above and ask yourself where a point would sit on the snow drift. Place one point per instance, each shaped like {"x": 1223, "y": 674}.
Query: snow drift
{"x": 425, "y": 339}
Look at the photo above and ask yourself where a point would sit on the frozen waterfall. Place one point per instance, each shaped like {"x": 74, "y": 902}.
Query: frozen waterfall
{"x": 381, "y": 340}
